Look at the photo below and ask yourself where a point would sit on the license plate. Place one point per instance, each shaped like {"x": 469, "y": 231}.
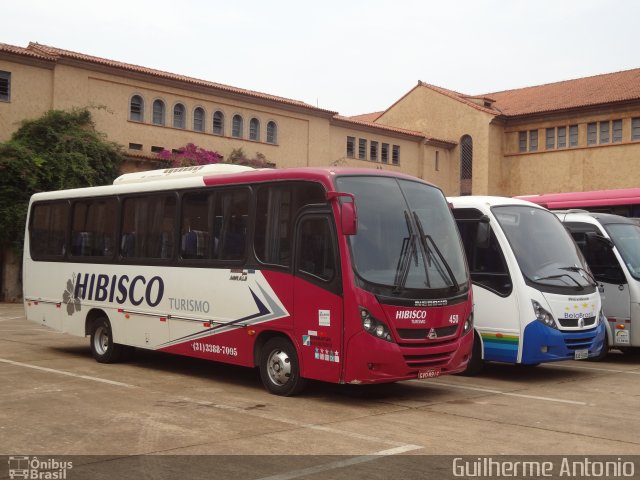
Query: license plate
{"x": 581, "y": 354}
{"x": 431, "y": 373}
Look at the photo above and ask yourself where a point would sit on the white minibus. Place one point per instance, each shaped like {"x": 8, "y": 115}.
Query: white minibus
{"x": 535, "y": 299}
{"x": 611, "y": 246}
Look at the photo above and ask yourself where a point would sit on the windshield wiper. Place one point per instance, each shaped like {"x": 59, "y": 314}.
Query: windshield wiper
{"x": 578, "y": 269}
{"x": 562, "y": 275}
{"x": 424, "y": 239}
{"x": 407, "y": 251}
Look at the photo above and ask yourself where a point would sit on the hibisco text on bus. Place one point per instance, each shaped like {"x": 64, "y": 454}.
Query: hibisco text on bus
{"x": 535, "y": 298}
{"x": 340, "y": 275}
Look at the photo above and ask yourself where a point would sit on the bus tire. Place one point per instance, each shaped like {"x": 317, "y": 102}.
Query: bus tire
{"x": 280, "y": 368}
{"x": 102, "y": 347}
{"x": 476, "y": 363}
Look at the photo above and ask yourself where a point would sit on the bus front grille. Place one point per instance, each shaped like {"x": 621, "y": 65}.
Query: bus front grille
{"x": 580, "y": 341}
{"x": 574, "y": 322}
{"x": 422, "y": 333}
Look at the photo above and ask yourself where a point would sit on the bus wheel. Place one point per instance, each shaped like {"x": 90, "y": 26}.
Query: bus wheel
{"x": 279, "y": 367}
{"x": 476, "y": 364}
{"x": 102, "y": 347}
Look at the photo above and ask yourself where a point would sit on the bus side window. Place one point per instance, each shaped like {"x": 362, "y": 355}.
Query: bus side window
{"x": 93, "y": 227}
{"x": 316, "y": 255}
{"x": 487, "y": 265}
{"x": 600, "y": 258}
{"x": 276, "y": 209}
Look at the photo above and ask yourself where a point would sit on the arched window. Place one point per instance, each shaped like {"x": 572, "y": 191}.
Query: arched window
{"x": 236, "y": 126}
{"x": 198, "y": 119}
{"x": 136, "y": 109}
{"x": 466, "y": 164}
{"x": 272, "y": 132}
{"x": 218, "y": 123}
{"x": 158, "y": 112}
{"x": 254, "y": 129}
{"x": 178, "y": 115}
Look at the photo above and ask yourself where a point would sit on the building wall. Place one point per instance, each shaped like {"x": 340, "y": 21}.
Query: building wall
{"x": 303, "y": 139}
{"x": 31, "y": 95}
{"x": 581, "y": 168}
{"x": 439, "y": 116}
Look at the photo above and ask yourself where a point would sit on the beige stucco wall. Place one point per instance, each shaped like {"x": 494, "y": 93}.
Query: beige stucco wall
{"x": 410, "y": 150}
{"x": 31, "y": 96}
{"x": 581, "y": 168}
{"x": 303, "y": 139}
{"x": 440, "y": 116}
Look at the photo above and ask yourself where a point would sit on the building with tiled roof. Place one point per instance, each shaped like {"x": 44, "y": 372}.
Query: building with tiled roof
{"x": 147, "y": 110}
{"x": 581, "y": 134}
{"x": 573, "y": 135}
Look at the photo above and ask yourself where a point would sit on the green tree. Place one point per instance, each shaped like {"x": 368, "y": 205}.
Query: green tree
{"x": 57, "y": 151}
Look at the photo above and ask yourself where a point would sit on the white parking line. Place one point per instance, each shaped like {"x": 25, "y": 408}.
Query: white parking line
{"x": 595, "y": 369}
{"x": 341, "y": 463}
{"x": 295, "y": 423}
{"x": 499, "y": 392}
{"x": 69, "y": 374}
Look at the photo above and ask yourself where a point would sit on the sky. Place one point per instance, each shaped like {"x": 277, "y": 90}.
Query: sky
{"x": 349, "y": 56}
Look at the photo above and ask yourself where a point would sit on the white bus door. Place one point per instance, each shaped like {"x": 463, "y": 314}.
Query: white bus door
{"x": 496, "y": 314}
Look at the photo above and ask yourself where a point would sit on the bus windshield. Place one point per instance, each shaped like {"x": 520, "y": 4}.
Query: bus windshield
{"x": 406, "y": 238}
{"x": 543, "y": 247}
{"x": 626, "y": 237}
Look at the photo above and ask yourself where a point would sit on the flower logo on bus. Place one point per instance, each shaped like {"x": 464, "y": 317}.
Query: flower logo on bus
{"x": 69, "y": 297}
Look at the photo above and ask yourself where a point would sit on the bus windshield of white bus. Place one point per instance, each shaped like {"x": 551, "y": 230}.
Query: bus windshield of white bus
{"x": 406, "y": 238}
{"x": 626, "y": 237}
{"x": 543, "y": 248}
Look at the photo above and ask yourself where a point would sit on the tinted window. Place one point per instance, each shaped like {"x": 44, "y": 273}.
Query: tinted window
{"x": 214, "y": 225}
{"x": 487, "y": 265}
{"x": 316, "y": 257}
{"x": 48, "y": 228}
{"x": 147, "y": 229}
{"x": 93, "y": 227}
{"x": 277, "y": 207}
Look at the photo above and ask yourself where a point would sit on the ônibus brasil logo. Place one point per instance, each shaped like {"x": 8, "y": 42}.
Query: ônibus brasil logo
{"x": 33, "y": 468}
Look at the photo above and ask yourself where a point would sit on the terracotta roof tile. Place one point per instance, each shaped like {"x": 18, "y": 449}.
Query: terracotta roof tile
{"x": 56, "y": 53}
{"x": 391, "y": 129}
{"x": 582, "y": 92}
{"x": 5, "y": 47}
{"x": 367, "y": 117}
{"x": 466, "y": 99}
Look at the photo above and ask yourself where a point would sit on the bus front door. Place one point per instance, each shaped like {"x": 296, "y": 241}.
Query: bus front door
{"x": 318, "y": 304}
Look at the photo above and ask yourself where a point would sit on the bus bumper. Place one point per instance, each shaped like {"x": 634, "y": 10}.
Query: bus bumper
{"x": 371, "y": 360}
{"x": 545, "y": 344}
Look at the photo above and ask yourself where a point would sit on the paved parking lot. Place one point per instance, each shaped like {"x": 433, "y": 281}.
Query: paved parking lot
{"x": 56, "y": 400}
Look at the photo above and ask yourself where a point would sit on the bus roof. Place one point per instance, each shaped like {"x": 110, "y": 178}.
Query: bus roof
{"x": 596, "y": 198}
{"x": 603, "y": 218}
{"x": 469, "y": 201}
{"x": 193, "y": 177}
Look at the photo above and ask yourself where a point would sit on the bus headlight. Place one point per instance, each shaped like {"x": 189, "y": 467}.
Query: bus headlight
{"x": 543, "y": 316}
{"x": 374, "y": 326}
{"x": 468, "y": 324}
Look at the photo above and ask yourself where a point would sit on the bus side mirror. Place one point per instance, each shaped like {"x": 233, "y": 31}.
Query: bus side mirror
{"x": 594, "y": 238}
{"x": 348, "y": 212}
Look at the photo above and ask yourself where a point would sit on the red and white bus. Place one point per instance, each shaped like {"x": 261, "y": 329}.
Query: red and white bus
{"x": 622, "y": 201}
{"x": 340, "y": 275}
